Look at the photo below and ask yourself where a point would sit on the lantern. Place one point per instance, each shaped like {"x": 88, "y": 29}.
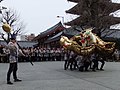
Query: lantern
{"x": 6, "y": 27}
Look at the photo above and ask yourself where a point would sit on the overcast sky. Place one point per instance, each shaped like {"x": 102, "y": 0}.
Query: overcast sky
{"x": 39, "y": 15}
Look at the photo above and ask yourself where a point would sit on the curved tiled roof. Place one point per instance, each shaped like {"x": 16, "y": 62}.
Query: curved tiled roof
{"x": 69, "y": 32}
{"x": 51, "y": 30}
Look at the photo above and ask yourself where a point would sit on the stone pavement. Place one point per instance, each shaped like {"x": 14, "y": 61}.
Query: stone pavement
{"x": 51, "y": 76}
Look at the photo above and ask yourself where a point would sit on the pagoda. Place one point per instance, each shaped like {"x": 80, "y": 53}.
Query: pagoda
{"x": 98, "y": 14}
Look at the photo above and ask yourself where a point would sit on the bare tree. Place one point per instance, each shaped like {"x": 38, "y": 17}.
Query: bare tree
{"x": 1, "y": 0}
{"x": 12, "y": 18}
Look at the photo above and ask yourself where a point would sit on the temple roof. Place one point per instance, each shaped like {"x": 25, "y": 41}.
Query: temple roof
{"x": 69, "y": 32}
{"x": 110, "y": 20}
{"x": 54, "y": 38}
{"x": 76, "y": 1}
{"x": 84, "y": 20}
{"x": 57, "y": 27}
{"x": 77, "y": 9}
{"x": 106, "y": 7}
{"x": 78, "y": 21}
{"x": 21, "y": 43}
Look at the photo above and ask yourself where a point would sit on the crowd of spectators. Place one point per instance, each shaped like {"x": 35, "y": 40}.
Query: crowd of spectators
{"x": 34, "y": 54}
{"x": 42, "y": 54}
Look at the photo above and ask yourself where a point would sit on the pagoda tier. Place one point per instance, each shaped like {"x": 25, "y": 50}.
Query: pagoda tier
{"x": 77, "y": 9}
{"x": 104, "y": 8}
{"x": 83, "y": 20}
{"x": 108, "y": 21}
{"x": 78, "y": 21}
{"x": 76, "y": 1}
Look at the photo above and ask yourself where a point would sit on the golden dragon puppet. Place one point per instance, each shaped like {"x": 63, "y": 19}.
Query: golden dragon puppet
{"x": 86, "y": 43}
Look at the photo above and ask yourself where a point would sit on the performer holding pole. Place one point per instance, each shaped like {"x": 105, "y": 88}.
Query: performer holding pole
{"x": 14, "y": 51}
{"x": 6, "y": 27}
{"x": 13, "y": 60}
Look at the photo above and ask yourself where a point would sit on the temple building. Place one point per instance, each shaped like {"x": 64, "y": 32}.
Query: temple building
{"x": 44, "y": 37}
{"x": 51, "y": 37}
{"x": 97, "y": 14}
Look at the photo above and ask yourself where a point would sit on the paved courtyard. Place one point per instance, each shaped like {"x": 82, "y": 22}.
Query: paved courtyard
{"x": 51, "y": 76}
